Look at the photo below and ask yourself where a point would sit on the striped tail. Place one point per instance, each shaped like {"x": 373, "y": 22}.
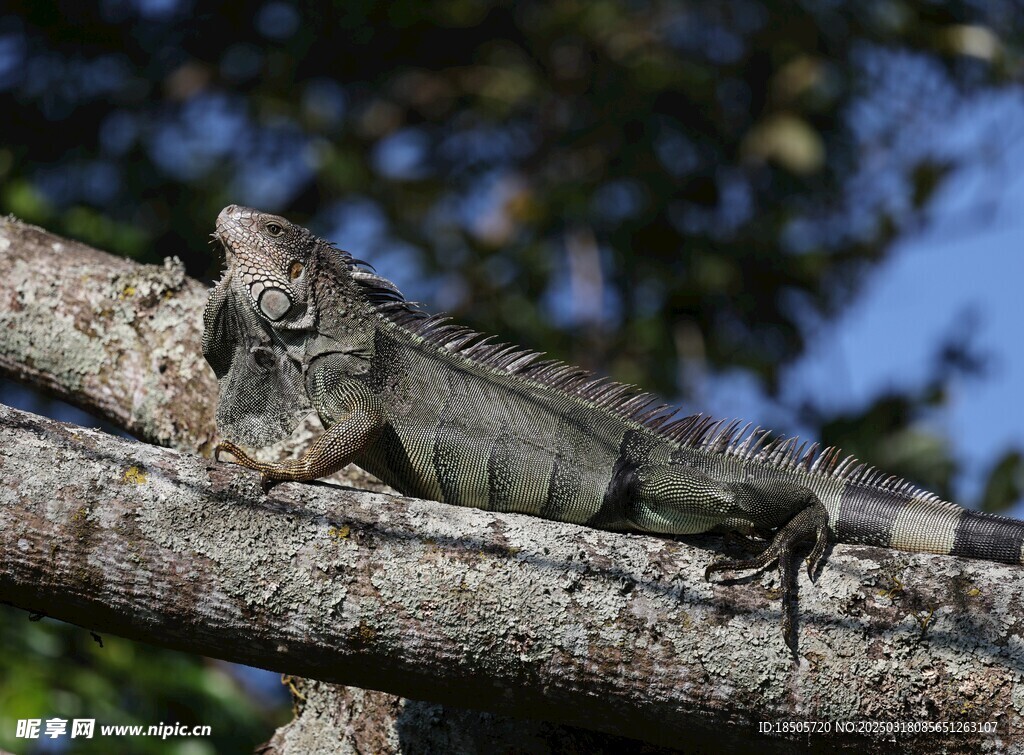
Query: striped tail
{"x": 921, "y": 522}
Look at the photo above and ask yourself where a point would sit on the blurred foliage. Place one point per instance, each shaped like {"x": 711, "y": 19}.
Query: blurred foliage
{"x": 644, "y": 170}
{"x": 50, "y": 671}
{"x": 637, "y": 187}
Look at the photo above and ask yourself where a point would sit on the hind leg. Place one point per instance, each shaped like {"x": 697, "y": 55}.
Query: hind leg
{"x": 676, "y": 499}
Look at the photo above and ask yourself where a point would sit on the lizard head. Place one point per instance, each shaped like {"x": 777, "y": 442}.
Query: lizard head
{"x": 257, "y": 323}
{"x": 287, "y": 299}
{"x": 269, "y": 257}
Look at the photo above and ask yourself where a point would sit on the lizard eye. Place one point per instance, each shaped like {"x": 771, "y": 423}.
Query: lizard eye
{"x": 295, "y": 270}
{"x": 275, "y": 229}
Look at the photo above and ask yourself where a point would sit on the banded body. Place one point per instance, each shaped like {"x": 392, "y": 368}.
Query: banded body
{"x": 437, "y": 411}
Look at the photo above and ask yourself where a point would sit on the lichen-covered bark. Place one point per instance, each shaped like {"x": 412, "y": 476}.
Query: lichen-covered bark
{"x": 493, "y": 611}
{"x": 500, "y": 612}
{"x": 336, "y": 719}
{"x": 110, "y": 335}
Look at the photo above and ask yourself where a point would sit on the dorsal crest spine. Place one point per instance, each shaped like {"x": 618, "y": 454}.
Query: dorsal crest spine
{"x": 695, "y": 431}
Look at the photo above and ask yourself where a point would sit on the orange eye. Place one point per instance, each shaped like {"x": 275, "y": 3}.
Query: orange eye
{"x": 295, "y": 270}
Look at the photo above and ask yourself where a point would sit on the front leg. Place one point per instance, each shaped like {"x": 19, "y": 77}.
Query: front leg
{"x": 356, "y": 420}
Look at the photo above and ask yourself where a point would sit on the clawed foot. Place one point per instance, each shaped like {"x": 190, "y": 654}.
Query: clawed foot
{"x": 241, "y": 457}
{"x": 811, "y": 522}
{"x": 267, "y": 481}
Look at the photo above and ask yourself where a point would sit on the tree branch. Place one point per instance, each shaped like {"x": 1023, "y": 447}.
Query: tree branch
{"x": 470, "y": 608}
{"x": 117, "y": 338}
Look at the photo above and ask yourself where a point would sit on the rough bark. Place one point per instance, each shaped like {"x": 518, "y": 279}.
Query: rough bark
{"x": 117, "y": 338}
{"x": 367, "y": 721}
{"x": 497, "y": 612}
{"x": 470, "y": 608}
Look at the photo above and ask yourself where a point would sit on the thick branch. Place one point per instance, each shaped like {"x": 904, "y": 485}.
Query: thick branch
{"x": 471, "y": 608}
{"x": 110, "y": 335}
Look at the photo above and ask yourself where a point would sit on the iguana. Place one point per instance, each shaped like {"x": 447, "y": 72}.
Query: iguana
{"x": 438, "y": 411}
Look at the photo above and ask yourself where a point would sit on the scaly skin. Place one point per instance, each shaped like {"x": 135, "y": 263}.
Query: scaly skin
{"x": 436, "y": 412}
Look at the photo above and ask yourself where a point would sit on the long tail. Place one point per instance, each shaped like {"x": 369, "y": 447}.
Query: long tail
{"x": 923, "y": 523}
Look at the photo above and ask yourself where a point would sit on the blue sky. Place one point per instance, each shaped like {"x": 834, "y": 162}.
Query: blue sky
{"x": 969, "y": 260}
{"x": 887, "y": 338}
{"x": 965, "y": 267}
